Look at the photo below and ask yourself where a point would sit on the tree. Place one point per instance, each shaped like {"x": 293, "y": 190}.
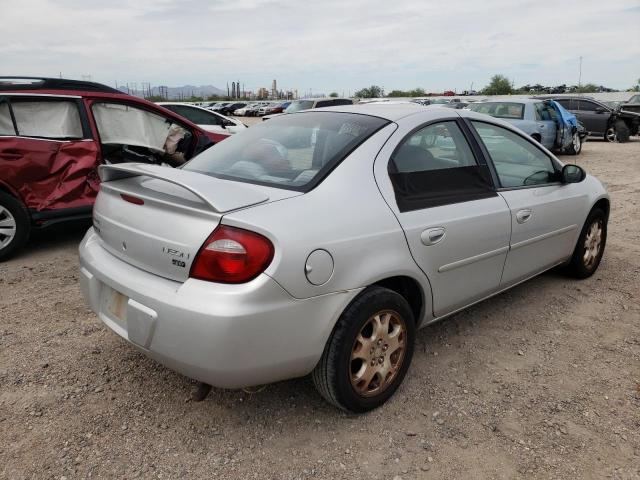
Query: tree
{"x": 334, "y": 95}
{"x": 499, "y": 85}
{"x": 373, "y": 91}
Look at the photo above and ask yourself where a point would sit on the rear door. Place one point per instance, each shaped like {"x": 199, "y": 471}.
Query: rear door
{"x": 545, "y": 214}
{"x": 546, "y": 124}
{"x": 47, "y": 154}
{"x": 456, "y": 225}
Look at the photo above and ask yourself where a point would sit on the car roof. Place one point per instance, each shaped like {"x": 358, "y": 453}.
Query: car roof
{"x": 388, "y": 111}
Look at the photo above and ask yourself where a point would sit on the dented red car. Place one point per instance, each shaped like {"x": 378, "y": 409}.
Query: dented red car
{"x": 54, "y": 133}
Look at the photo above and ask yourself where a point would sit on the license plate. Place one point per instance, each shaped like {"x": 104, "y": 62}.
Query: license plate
{"x": 117, "y": 306}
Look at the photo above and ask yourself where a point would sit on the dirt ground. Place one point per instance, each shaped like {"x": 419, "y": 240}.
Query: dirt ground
{"x": 540, "y": 382}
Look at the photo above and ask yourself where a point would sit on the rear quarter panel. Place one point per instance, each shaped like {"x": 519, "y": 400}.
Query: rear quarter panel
{"x": 345, "y": 215}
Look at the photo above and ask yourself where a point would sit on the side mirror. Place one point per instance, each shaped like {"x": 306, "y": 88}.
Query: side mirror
{"x": 573, "y": 174}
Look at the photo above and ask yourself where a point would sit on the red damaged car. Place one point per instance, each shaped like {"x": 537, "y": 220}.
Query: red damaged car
{"x": 54, "y": 133}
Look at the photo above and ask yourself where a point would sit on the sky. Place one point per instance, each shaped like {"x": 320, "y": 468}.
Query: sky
{"x": 324, "y": 46}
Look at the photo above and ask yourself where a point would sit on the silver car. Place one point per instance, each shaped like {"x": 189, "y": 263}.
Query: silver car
{"x": 320, "y": 241}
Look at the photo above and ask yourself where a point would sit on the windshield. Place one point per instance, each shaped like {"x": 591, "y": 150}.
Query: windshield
{"x": 500, "y": 109}
{"x": 289, "y": 151}
{"x": 299, "y": 105}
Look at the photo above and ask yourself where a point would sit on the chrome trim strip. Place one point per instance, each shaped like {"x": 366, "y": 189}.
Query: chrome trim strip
{"x": 476, "y": 258}
{"x": 544, "y": 236}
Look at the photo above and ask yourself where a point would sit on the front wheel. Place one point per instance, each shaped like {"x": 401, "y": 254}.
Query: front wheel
{"x": 590, "y": 247}
{"x": 576, "y": 145}
{"x": 369, "y": 352}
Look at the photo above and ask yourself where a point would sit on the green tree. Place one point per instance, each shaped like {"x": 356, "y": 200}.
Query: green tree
{"x": 397, "y": 93}
{"x": 373, "y": 91}
{"x": 499, "y": 85}
{"x": 587, "y": 88}
{"x": 334, "y": 95}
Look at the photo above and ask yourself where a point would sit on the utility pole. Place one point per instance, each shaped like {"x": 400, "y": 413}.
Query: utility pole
{"x": 580, "y": 73}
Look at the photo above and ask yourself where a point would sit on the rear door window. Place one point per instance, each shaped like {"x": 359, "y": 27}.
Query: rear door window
{"x": 52, "y": 119}
{"x": 435, "y": 166}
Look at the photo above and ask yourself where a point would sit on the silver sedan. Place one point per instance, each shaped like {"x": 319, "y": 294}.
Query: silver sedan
{"x": 319, "y": 242}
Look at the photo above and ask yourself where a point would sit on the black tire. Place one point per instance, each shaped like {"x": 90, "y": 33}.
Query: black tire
{"x": 11, "y": 210}
{"x": 578, "y": 267}
{"x": 576, "y": 145}
{"x": 622, "y": 131}
{"x": 332, "y": 374}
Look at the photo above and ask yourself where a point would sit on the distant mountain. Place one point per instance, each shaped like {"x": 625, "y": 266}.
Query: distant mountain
{"x": 184, "y": 91}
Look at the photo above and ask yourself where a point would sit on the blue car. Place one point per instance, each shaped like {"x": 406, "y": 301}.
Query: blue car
{"x": 545, "y": 120}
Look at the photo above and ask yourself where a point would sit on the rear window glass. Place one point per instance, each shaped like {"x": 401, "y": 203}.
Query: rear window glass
{"x": 500, "y": 109}
{"x": 57, "y": 119}
{"x": 289, "y": 151}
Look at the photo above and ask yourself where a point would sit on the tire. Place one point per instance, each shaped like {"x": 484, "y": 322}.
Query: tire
{"x": 576, "y": 145}
{"x": 15, "y": 226}
{"x": 622, "y": 131}
{"x": 610, "y": 134}
{"x": 585, "y": 261}
{"x": 335, "y": 377}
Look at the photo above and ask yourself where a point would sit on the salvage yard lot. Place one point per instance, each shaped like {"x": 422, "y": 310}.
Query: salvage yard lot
{"x": 540, "y": 382}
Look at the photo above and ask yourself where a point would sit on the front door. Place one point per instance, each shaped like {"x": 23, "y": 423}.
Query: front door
{"x": 593, "y": 117}
{"x": 543, "y": 211}
{"x": 456, "y": 225}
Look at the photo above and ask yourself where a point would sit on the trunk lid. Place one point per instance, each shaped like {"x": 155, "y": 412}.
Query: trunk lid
{"x": 157, "y": 218}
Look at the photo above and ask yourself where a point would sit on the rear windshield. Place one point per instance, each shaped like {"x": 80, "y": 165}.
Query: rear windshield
{"x": 289, "y": 151}
{"x": 500, "y": 109}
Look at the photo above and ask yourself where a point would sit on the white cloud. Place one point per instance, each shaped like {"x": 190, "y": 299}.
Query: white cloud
{"x": 330, "y": 45}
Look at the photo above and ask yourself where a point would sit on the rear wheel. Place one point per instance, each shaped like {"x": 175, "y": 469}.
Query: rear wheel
{"x": 368, "y": 353}
{"x": 590, "y": 247}
{"x": 14, "y": 226}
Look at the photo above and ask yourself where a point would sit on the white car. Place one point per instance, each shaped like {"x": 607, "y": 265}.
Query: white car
{"x": 241, "y": 112}
{"x": 205, "y": 119}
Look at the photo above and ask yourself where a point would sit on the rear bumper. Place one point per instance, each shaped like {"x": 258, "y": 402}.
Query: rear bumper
{"x": 229, "y": 336}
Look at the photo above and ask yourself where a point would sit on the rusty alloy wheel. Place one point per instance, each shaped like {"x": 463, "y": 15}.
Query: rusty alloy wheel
{"x": 377, "y": 353}
{"x": 592, "y": 244}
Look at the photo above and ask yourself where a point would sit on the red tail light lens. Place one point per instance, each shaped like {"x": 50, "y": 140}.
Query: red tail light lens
{"x": 232, "y": 255}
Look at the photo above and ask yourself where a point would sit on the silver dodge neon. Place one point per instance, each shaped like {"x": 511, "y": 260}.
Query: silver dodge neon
{"x": 318, "y": 242}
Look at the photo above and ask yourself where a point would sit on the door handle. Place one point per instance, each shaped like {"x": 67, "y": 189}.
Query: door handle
{"x": 524, "y": 215}
{"x": 431, "y": 236}
{"x": 541, "y": 125}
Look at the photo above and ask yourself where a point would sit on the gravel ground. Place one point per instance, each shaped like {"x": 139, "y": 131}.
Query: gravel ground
{"x": 540, "y": 382}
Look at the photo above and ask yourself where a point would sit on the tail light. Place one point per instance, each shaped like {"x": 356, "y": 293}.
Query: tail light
{"x": 232, "y": 255}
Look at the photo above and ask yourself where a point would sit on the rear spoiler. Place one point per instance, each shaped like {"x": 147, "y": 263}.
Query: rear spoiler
{"x": 220, "y": 195}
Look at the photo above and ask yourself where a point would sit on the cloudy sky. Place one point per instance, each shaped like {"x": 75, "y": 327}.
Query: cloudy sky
{"x": 324, "y": 46}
